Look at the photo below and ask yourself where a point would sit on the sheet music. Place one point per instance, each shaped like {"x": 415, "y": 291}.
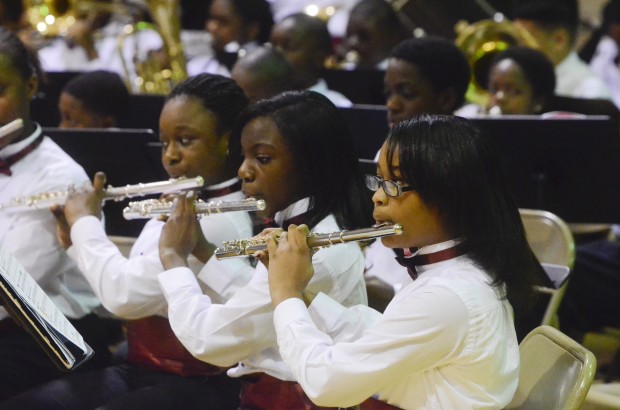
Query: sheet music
{"x": 31, "y": 292}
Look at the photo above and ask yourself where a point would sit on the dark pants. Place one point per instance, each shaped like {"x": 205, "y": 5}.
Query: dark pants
{"x": 24, "y": 364}
{"x": 129, "y": 387}
{"x": 592, "y": 297}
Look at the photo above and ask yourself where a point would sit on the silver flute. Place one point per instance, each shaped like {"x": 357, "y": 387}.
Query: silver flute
{"x": 46, "y": 199}
{"x": 248, "y": 247}
{"x": 153, "y": 207}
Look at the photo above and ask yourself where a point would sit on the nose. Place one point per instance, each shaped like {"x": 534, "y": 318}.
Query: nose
{"x": 379, "y": 198}
{"x": 245, "y": 172}
{"x": 392, "y": 103}
{"x": 171, "y": 153}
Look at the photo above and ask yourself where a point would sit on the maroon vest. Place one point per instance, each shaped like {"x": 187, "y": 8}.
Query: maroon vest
{"x": 264, "y": 392}
{"x": 153, "y": 345}
{"x": 374, "y": 404}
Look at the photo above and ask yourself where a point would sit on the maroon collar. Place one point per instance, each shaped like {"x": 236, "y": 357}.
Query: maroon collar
{"x": 5, "y": 164}
{"x": 413, "y": 262}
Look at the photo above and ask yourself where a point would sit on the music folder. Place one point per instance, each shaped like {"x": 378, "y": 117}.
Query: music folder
{"x": 28, "y": 304}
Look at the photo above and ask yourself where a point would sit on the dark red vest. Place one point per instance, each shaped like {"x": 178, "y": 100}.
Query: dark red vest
{"x": 153, "y": 345}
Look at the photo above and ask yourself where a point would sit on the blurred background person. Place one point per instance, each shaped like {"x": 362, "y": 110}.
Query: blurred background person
{"x": 97, "y": 99}
{"x": 263, "y": 73}
{"x": 601, "y": 50}
{"x": 554, "y": 23}
{"x": 521, "y": 81}
{"x": 306, "y": 44}
{"x": 373, "y": 29}
{"x": 234, "y": 25}
{"x": 427, "y": 75}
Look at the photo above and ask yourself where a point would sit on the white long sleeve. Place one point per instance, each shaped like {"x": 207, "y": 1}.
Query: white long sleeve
{"x": 242, "y": 328}
{"x": 434, "y": 347}
{"x": 128, "y": 287}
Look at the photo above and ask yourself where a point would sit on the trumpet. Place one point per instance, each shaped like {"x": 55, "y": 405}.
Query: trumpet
{"x": 152, "y": 207}
{"x": 248, "y": 247}
{"x": 47, "y": 199}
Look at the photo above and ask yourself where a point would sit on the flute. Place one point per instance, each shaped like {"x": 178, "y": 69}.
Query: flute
{"x": 248, "y": 247}
{"x": 46, "y": 199}
{"x": 152, "y": 207}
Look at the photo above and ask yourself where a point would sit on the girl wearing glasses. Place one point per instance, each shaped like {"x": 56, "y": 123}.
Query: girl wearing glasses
{"x": 298, "y": 158}
{"x": 446, "y": 340}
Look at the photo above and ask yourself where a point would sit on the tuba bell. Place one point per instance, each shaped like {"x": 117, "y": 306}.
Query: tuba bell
{"x": 53, "y": 18}
{"x": 158, "y": 74}
{"x": 480, "y": 42}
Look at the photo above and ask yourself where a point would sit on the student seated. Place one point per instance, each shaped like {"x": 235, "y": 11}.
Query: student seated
{"x": 373, "y": 29}
{"x": 96, "y": 99}
{"x": 298, "y": 158}
{"x": 521, "y": 82}
{"x": 447, "y": 340}
{"x": 31, "y": 164}
{"x": 233, "y": 25}
{"x": 195, "y": 125}
{"x": 263, "y": 73}
{"x": 306, "y": 44}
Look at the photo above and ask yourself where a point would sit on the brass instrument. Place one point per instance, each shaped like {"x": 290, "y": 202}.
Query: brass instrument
{"x": 153, "y": 207}
{"x": 53, "y": 18}
{"x": 480, "y": 42}
{"x": 154, "y": 76}
{"x": 248, "y": 247}
{"x": 47, "y": 199}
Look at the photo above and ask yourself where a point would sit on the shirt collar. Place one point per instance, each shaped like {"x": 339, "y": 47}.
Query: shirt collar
{"x": 18, "y": 146}
{"x": 291, "y": 211}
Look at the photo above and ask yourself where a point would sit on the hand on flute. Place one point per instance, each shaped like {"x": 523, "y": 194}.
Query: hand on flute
{"x": 182, "y": 235}
{"x": 290, "y": 264}
{"x": 85, "y": 201}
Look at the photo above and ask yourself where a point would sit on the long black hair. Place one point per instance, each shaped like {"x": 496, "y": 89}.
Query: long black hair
{"x": 455, "y": 169}
{"x": 322, "y": 149}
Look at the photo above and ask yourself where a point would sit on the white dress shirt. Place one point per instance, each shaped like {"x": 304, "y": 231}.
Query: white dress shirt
{"x": 335, "y": 97}
{"x": 604, "y": 65}
{"x": 128, "y": 287}
{"x": 242, "y": 329}
{"x": 446, "y": 341}
{"x": 30, "y": 235}
{"x": 574, "y": 78}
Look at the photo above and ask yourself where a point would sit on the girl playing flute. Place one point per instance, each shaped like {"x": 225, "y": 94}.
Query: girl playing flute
{"x": 298, "y": 157}
{"x": 447, "y": 340}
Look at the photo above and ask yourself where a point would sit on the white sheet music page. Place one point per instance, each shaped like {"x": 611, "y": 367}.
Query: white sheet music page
{"x": 32, "y": 294}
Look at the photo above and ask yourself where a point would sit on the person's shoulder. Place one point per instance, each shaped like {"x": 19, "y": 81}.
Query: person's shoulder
{"x": 56, "y": 161}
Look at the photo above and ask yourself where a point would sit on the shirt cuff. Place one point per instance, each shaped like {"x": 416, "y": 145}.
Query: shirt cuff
{"x": 175, "y": 279}
{"x": 86, "y": 228}
{"x": 291, "y": 310}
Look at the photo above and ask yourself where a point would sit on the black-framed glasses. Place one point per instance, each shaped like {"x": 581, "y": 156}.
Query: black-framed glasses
{"x": 391, "y": 188}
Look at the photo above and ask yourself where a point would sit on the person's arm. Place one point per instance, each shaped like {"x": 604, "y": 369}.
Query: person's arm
{"x": 421, "y": 331}
{"x": 126, "y": 287}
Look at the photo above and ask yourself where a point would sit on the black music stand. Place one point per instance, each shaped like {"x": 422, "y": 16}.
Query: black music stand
{"x": 126, "y": 156}
{"x": 361, "y": 86}
{"x": 570, "y": 167}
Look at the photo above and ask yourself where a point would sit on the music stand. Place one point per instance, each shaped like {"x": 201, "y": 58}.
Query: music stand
{"x": 570, "y": 167}
{"x": 123, "y": 154}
